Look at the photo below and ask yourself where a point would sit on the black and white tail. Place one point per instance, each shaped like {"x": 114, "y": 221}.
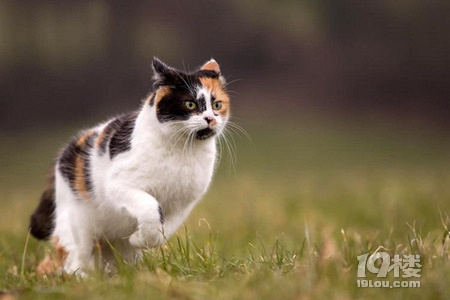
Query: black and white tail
{"x": 42, "y": 219}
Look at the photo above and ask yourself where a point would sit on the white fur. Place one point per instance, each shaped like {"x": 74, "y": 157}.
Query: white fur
{"x": 162, "y": 167}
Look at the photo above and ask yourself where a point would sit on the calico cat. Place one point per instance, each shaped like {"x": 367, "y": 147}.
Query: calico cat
{"x": 133, "y": 180}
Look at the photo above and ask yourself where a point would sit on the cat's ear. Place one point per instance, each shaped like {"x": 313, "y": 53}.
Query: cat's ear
{"x": 163, "y": 75}
{"x": 211, "y": 65}
{"x": 161, "y": 71}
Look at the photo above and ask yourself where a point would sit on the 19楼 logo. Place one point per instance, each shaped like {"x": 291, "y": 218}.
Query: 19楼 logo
{"x": 380, "y": 263}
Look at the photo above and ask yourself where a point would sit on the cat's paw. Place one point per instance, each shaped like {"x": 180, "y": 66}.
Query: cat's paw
{"x": 149, "y": 235}
{"x": 76, "y": 272}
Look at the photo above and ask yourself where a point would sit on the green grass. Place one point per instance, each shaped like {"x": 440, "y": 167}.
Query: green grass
{"x": 305, "y": 200}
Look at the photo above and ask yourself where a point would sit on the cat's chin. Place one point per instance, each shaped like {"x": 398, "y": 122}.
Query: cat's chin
{"x": 204, "y": 134}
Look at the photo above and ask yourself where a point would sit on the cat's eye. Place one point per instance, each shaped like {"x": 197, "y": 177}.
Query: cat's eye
{"x": 190, "y": 105}
{"x": 217, "y": 105}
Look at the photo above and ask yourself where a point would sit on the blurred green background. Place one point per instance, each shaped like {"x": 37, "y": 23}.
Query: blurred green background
{"x": 355, "y": 60}
{"x": 346, "y": 103}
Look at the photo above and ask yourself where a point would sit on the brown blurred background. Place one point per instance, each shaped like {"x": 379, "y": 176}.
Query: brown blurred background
{"x": 63, "y": 62}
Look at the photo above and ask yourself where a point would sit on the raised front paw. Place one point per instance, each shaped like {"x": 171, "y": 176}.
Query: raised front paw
{"x": 150, "y": 233}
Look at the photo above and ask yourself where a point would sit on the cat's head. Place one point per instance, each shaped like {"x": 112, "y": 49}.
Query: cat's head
{"x": 194, "y": 104}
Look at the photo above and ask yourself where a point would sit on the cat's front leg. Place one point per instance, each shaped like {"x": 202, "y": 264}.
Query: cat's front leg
{"x": 148, "y": 213}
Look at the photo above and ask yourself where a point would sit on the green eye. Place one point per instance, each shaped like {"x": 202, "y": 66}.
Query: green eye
{"x": 217, "y": 105}
{"x": 190, "y": 105}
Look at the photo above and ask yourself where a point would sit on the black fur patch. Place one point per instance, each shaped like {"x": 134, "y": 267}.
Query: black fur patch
{"x": 201, "y": 104}
{"x": 172, "y": 106}
{"x": 161, "y": 215}
{"x": 42, "y": 219}
{"x": 87, "y": 163}
{"x": 67, "y": 161}
{"x": 68, "y": 158}
{"x": 108, "y": 131}
{"x": 207, "y": 74}
{"x": 152, "y": 99}
{"x": 121, "y": 138}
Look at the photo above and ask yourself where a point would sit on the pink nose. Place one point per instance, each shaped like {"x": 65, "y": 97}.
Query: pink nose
{"x": 209, "y": 119}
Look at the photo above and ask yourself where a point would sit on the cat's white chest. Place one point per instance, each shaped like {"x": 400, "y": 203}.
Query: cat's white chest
{"x": 177, "y": 180}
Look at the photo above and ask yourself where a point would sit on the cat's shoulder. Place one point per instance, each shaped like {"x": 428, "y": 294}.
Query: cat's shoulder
{"x": 111, "y": 136}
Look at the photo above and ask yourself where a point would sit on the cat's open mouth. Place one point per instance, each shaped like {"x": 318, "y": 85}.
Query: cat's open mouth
{"x": 203, "y": 134}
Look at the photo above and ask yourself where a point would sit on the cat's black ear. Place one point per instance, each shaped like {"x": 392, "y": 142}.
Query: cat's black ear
{"x": 161, "y": 71}
{"x": 165, "y": 75}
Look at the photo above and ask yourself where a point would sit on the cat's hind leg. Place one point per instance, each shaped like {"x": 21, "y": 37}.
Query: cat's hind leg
{"x": 74, "y": 228}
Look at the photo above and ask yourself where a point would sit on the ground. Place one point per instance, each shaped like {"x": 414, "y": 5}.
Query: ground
{"x": 287, "y": 222}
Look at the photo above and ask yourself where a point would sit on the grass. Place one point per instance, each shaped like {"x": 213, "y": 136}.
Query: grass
{"x": 306, "y": 199}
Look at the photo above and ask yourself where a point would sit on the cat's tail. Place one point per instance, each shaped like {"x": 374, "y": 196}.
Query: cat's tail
{"x": 42, "y": 219}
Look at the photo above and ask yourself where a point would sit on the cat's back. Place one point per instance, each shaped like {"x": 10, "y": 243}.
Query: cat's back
{"x": 92, "y": 150}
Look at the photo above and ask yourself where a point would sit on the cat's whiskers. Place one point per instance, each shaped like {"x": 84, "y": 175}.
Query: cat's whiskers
{"x": 230, "y": 146}
{"x": 239, "y": 130}
{"x": 220, "y": 152}
{"x": 187, "y": 148}
{"x": 183, "y": 134}
{"x": 189, "y": 143}
{"x": 178, "y": 134}
{"x": 230, "y": 153}
{"x": 227, "y": 83}
{"x": 233, "y": 149}
{"x": 230, "y": 82}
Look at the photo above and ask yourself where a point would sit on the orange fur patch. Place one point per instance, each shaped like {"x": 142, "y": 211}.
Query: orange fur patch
{"x": 80, "y": 176}
{"x": 80, "y": 181}
{"x": 52, "y": 262}
{"x": 100, "y": 138}
{"x": 161, "y": 92}
{"x": 214, "y": 85}
{"x": 82, "y": 139}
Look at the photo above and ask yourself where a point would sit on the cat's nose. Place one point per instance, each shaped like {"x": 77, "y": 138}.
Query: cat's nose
{"x": 209, "y": 119}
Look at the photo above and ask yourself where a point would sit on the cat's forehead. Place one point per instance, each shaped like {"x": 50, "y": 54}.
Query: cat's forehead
{"x": 204, "y": 84}
{"x": 207, "y": 88}
{"x": 203, "y": 93}
{"x": 206, "y": 81}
